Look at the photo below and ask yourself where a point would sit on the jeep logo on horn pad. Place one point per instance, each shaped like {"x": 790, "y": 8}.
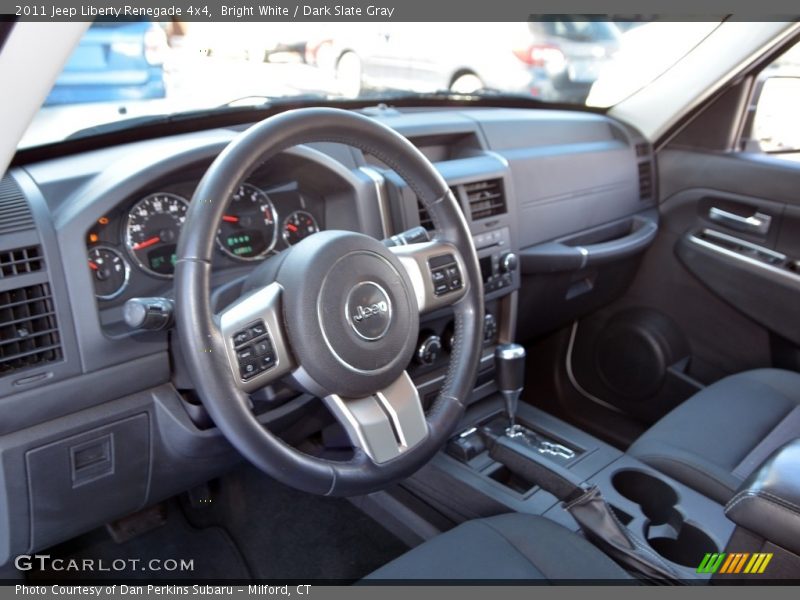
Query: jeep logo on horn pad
{"x": 369, "y": 310}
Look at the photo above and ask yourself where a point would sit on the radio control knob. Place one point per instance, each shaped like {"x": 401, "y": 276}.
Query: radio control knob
{"x": 509, "y": 262}
{"x": 429, "y": 350}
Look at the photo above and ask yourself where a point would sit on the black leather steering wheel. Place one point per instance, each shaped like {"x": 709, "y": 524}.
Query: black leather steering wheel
{"x": 338, "y": 314}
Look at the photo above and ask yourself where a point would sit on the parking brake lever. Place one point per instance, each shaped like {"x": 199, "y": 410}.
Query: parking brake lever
{"x": 587, "y": 506}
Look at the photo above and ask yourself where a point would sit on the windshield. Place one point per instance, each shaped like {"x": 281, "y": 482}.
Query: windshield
{"x": 132, "y": 69}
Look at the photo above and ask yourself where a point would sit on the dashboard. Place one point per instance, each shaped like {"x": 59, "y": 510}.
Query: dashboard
{"x": 539, "y": 189}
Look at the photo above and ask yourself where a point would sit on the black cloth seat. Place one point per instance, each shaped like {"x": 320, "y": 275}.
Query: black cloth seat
{"x": 510, "y": 546}
{"x": 715, "y": 439}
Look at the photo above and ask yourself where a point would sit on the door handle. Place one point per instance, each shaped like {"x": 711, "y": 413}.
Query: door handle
{"x": 756, "y": 223}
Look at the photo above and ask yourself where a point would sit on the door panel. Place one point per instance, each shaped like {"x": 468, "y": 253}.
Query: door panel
{"x": 717, "y": 293}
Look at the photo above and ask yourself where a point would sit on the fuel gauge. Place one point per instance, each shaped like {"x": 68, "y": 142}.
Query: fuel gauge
{"x": 110, "y": 272}
{"x": 298, "y": 226}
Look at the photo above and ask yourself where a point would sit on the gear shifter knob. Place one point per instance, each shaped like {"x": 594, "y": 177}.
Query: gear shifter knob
{"x": 509, "y": 362}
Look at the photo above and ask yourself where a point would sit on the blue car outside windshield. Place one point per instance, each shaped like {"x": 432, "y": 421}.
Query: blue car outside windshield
{"x": 114, "y": 61}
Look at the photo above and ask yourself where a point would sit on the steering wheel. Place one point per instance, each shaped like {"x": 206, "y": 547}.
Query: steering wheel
{"x": 337, "y": 314}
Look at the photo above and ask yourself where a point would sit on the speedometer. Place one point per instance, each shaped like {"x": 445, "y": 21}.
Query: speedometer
{"x": 152, "y": 230}
{"x": 249, "y": 227}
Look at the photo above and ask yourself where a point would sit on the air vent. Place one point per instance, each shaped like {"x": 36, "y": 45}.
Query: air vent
{"x": 642, "y": 149}
{"x": 28, "y": 329}
{"x": 15, "y": 214}
{"x": 425, "y": 217}
{"x": 20, "y": 261}
{"x": 645, "y": 180}
{"x": 486, "y": 198}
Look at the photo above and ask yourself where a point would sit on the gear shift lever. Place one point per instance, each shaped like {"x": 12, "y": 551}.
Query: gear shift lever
{"x": 509, "y": 363}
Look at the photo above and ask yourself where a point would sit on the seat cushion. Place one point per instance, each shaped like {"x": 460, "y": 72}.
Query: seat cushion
{"x": 510, "y": 546}
{"x": 715, "y": 439}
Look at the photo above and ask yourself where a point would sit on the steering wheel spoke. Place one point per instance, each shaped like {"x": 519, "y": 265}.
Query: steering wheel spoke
{"x": 385, "y": 424}
{"x": 437, "y": 272}
{"x": 255, "y": 343}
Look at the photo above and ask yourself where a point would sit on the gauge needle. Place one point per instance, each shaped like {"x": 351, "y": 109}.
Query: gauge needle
{"x": 230, "y": 219}
{"x": 147, "y": 243}
{"x": 93, "y": 266}
{"x": 291, "y": 227}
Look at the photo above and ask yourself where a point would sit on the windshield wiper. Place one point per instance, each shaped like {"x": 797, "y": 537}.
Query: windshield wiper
{"x": 267, "y": 101}
{"x": 444, "y": 94}
{"x": 189, "y": 115}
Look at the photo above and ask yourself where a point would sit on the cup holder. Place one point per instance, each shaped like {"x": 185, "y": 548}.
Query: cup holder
{"x": 655, "y": 497}
{"x": 666, "y": 530}
{"x": 686, "y": 546}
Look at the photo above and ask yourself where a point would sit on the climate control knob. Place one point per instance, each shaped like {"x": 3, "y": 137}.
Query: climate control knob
{"x": 509, "y": 262}
{"x": 489, "y": 328}
{"x": 429, "y": 350}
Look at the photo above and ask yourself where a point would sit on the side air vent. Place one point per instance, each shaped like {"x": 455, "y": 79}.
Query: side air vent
{"x": 15, "y": 214}
{"x": 642, "y": 149}
{"x": 28, "y": 329}
{"x": 645, "y": 180}
{"x": 20, "y": 261}
{"x": 486, "y": 198}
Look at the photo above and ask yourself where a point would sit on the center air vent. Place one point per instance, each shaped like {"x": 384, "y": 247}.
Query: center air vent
{"x": 424, "y": 216}
{"x": 642, "y": 149}
{"x": 28, "y": 329}
{"x": 20, "y": 261}
{"x": 645, "y": 180}
{"x": 15, "y": 214}
{"x": 486, "y": 198}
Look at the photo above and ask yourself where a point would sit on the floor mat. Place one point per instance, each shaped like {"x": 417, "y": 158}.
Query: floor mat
{"x": 253, "y": 528}
{"x": 211, "y": 550}
{"x": 283, "y": 533}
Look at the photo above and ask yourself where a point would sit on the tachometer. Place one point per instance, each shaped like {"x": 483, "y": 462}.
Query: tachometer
{"x": 249, "y": 227}
{"x": 152, "y": 230}
{"x": 110, "y": 272}
{"x": 298, "y": 226}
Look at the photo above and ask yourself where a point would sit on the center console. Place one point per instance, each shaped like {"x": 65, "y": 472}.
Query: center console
{"x": 517, "y": 458}
{"x": 485, "y": 199}
{"x": 507, "y": 457}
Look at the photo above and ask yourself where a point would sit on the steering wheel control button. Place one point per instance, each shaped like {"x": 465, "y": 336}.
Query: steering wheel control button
{"x": 369, "y": 310}
{"x": 241, "y": 337}
{"x": 257, "y": 330}
{"x": 254, "y": 351}
{"x": 263, "y": 347}
{"x": 245, "y": 354}
{"x": 248, "y": 369}
{"x": 445, "y": 274}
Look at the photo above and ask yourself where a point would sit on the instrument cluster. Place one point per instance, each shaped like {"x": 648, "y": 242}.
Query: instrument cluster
{"x": 141, "y": 239}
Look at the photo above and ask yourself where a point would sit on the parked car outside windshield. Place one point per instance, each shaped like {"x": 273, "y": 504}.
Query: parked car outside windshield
{"x": 115, "y": 61}
{"x": 127, "y": 69}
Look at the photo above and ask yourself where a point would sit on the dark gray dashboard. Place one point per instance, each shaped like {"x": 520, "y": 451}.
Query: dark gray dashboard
{"x": 558, "y": 174}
